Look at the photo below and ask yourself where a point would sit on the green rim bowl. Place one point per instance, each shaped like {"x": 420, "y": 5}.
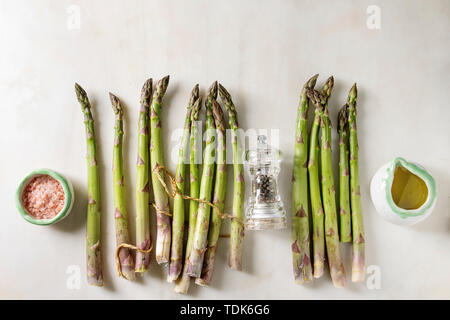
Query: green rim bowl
{"x": 68, "y": 197}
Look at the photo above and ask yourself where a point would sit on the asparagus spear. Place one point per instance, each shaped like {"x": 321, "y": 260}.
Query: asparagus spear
{"x": 358, "y": 252}
{"x": 120, "y": 212}
{"x": 344, "y": 194}
{"x": 220, "y": 189}
{"x": 237, "y": 229}
{"x": 329, "y": 195}
{"x": 176, "y": 258}
{"x": 93, "y": 248}
{"x": 163, "y": 236}
{"x": 314, "y": 184}
{"x": 143, "y": 237}
{"x": 300, "y": 221}
{"x": 201, "y": 228}
{"x": 182, "y": 285}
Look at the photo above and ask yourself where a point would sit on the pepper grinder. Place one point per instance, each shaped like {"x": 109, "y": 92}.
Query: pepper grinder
{"x": 265, "y": 210}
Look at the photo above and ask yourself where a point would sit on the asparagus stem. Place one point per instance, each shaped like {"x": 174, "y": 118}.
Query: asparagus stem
{"x": 163, "y": 235}
{"x": 120, "y": 207}
{"x": 329, "y": 194}
{"x": 314, "y": 183}
{"x": 93, "y": 248}
{"x": 183, "y": 282}
{"x": 201, "y": 228}
{"x": 220, "y": 189}
{"x": 358, "y": 252}
{"x": 237, "y": 229}
{"x": 143, "y": 237}
{"x": 344, "y": 193}
{"x": 300, "y": 212}
{"x": 176, "y": 258}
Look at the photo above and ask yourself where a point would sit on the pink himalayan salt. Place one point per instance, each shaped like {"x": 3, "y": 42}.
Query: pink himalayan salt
{"x": 43, "y": 197}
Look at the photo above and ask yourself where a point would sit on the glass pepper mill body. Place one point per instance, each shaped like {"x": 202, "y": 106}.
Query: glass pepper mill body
{"x": 265, "y": 209}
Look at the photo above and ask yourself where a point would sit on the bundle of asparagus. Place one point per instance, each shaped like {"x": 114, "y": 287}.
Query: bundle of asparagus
{"x": 220, "y": 189}
{"x": 328, "y": 190}
{"x": 321, "y": 188}
{"x": 320, "y": 100}
{"x": 195, "y": 260}
{"x": 203, "y": 236}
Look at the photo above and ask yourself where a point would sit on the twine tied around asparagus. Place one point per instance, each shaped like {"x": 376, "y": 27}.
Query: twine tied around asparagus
{"x": 172, "y": 194}
{"x": 132, "y": 247}
{"x": 175, "y": 191}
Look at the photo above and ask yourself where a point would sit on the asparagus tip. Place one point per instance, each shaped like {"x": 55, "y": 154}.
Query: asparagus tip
{"x": 353, "y": 93}
{"x": 81, "y": 94}
{"x": 328, "y": 87}
{"x": 331, "y": 80}
{"x": 194, "y": 95}
{"x": 113, "y": 98}
{"x": 147, "y": 85}
{"x": 115, "y": 102}
{"x": 212, "y": 91}
{"x": 162, "y": 85}
{"x": 224, "y": 95}
{"x": 312, "y": 81}
{"x": 342, "y": 117}
{"x": 166, "y": 79}
{"x": 146, "y": 91}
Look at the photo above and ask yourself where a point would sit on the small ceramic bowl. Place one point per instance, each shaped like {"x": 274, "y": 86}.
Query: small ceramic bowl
{"x": 68, "y": 199}
{"x": 380, "y": 192}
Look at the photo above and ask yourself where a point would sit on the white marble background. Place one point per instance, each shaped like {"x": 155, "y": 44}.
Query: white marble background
{"x": 262, "y": 51}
